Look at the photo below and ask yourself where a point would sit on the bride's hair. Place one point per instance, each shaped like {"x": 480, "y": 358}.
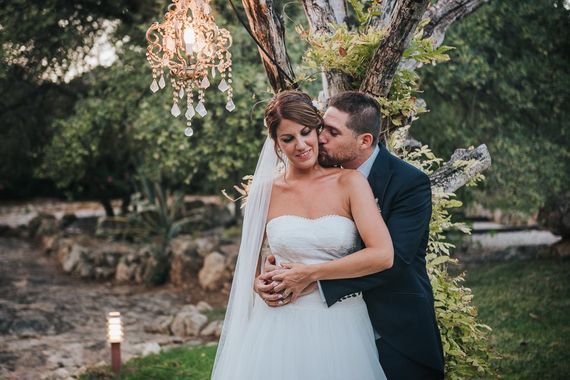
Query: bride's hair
{"x": 291, "y": 105}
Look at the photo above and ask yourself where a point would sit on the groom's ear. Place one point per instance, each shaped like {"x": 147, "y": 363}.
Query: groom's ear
{"x": 365, "y": 140}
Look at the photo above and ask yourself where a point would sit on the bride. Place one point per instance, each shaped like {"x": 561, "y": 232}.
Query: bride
{"x": 319, "y": 217}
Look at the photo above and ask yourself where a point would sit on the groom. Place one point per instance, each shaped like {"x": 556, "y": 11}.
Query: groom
{"x": 399, "y": 300}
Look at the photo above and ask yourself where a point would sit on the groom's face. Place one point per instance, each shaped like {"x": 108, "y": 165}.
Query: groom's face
{"x": 337, "y": 143}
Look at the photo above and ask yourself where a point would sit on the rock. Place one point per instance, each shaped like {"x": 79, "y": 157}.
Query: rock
{"x": 188, "y": 322}
{"x": 125, "y": 272}
{"x": 205, "y": 216}
{"x": 213, "y": 274}
{"x": 555, "y": 216}
{"x": 150, "y": 348}
{"x": 131, "y": 266}
{"x": 203, "y": 306}
{"x": 67, "y": 220}
{"x": 206, "y": 245}
{"x": 102, "y": 273}
{"x": 185, "y": 262}
{"x": 111, "y": 226}
{"x": 160, "y": 325}
{"x": 48, "y": 243}
{"x": 561, "y": 249}
{"x": 59, "y": 374}
{"x": 43, "y": 224}
{"x": 71, "y": 257}
{"x": 231, "y": 252}
{"x": 213, "y": 328}
{"x": 156, "y": 266}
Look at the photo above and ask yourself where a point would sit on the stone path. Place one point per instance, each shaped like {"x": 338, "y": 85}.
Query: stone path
{"x": 52, "y": 323}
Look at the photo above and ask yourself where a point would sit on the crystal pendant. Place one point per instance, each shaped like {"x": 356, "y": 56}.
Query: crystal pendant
{"x": 170, "y": 44}
{"x": 189, "y": 131}
{"x": 162, "y": 82}
{"x": 154, "y": 86}
{"x": 201, "y": 110}
{"x": 223, "y": 86}
{"x": 175, "y": 110}
{"x": 181, "y": 93}
{"x": 205, "y": 83}
{"x": 213, "y": 71}
{"x": 190, "y": 112}
{"x": 230, "y": 106}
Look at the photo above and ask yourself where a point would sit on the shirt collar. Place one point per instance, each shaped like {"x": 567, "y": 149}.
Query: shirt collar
{"x": 366, "y": 166}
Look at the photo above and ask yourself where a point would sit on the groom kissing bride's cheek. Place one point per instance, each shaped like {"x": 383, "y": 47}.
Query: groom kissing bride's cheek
{"x": 345, "y": 293}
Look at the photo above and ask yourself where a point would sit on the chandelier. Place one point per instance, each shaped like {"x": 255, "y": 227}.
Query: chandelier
{"x": 190, "y": 47}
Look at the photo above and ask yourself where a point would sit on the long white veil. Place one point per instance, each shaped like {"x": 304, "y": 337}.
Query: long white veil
{"x": 241, "y": 299}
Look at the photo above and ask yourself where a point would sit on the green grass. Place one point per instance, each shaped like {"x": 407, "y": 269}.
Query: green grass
{"x": 526, "y": 303}
{"x": 528, "y": 306}
{"x": 174, "y": 364}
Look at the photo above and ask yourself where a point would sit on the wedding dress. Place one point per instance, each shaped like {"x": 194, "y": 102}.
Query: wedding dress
{"x": 307, "y": 340}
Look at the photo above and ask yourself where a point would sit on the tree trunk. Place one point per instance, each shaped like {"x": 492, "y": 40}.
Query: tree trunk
{"x": 406, "y": 16}
{"x": 321, "y": 16}
{"x": 267, "y": 26}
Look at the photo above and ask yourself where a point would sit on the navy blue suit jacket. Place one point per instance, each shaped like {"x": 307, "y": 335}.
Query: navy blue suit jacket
{"x": 400, "y": 300}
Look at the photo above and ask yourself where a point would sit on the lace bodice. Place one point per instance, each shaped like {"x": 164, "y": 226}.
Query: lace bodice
{"x": 298, "y": 239}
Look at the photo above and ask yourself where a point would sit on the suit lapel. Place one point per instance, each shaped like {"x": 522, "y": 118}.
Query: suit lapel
{"x": 380, "y": 174}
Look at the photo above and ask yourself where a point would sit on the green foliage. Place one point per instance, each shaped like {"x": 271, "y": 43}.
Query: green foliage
{"x": 350, "y": 51}
{"x": 117, "y": 127}
{"x": 344, "y": 50}
{"x": 507, "y": 86}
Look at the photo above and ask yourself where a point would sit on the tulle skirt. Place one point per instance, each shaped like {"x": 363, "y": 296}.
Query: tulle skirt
{"x": 309, "y": 341}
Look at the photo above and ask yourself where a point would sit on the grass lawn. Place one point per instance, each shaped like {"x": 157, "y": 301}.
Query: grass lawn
{"x": 526, "y": 303}
{"x": 175, "y": 364}
{"x": 528, "y": 306}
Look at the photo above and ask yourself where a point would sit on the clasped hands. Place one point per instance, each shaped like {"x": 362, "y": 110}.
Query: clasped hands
{"x": 281, "y": 285}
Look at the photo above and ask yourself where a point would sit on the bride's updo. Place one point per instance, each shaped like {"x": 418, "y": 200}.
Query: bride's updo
{"x": 291, "y": 105}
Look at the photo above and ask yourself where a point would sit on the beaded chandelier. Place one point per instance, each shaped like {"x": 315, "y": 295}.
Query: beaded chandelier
{"x": 190, "y": 47}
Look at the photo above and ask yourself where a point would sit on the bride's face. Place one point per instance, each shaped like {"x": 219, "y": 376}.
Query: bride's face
{"x": 299, "y": 143}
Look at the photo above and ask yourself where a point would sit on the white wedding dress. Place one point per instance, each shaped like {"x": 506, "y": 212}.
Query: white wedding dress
{"x": 307, "y": 340}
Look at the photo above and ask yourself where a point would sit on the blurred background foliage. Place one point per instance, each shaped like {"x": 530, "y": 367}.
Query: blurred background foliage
{"x": 77, "y": 125}
{"x": 507, "y": 85}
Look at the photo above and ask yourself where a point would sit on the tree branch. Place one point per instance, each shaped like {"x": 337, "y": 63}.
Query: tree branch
{"x": 267, "y": 25}
{"x": 452, "y": 176}
{"x": 405, "y": 17}
{"x": 444, "y": 13}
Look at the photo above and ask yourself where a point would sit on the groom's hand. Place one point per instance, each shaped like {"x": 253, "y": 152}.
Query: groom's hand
{"x": 294, "y": 279}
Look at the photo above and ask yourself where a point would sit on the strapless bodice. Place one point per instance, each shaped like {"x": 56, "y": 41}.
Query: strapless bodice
{"x": 298, "y": 239}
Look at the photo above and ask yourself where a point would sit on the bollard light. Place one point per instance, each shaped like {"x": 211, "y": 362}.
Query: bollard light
{"x": 115, "y": 337}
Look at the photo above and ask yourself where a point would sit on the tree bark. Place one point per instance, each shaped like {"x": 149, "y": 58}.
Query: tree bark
{"x": 267, "y": 26}
{"x": 452, "y": 176}
{"x": 321, "y": 16}
{"x": 380, "y": 73}
{"x": 444, "y": 13}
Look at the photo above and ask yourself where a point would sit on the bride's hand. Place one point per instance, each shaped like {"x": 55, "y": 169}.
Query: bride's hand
{"x": 295, "y": 278}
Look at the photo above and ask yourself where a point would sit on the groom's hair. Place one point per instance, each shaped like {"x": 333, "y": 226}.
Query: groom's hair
{"x": 363, "y": 110}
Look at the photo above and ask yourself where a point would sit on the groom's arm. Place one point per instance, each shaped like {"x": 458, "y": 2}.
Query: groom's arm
{"x": 408, "y": 222}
